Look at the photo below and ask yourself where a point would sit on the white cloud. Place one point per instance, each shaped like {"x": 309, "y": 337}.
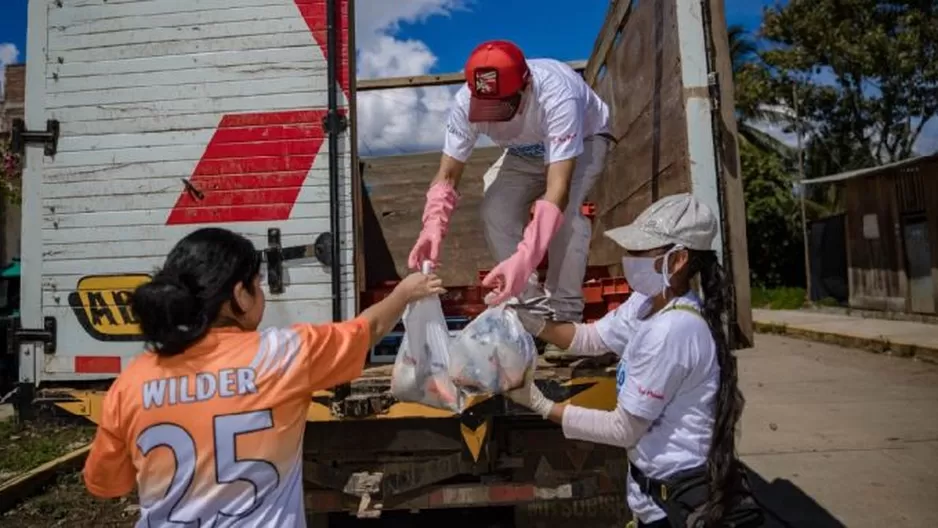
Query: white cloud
{"x": 927, "y": 142}
{"x": 9, "y": 54}
{"x": 405, "y": 119}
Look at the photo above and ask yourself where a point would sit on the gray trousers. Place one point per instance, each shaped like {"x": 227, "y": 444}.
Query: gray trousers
{"x": 513, "y": 183}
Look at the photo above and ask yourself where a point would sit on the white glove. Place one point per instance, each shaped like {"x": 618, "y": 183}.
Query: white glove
{"x": 528, "y": 395}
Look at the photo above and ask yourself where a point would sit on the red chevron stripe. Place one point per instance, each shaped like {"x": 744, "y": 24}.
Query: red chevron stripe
{"x": 314, "y": 12}
{"x": 255, "y": 164}
{"x": 249, "y": 172}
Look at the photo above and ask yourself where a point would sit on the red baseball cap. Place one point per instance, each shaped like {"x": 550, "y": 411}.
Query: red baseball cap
{"x": 496, "y": 73}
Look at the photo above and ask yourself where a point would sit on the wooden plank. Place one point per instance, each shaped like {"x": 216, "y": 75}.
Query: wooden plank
{"x": 189, "y": 34}
{"x": 645, "y": 95}
{"x": 72, "y": 12}
{"x": 734, "y": 214}
{"x": 615, "y": 20}
{"x": 22, "y": 487}
{"x": 441, "y": 79}
{"x": 396, "y": 187}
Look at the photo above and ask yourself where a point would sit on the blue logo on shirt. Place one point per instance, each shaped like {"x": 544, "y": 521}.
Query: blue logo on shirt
{"x": 621, "y": 374}
{"x": 528, "y": 151}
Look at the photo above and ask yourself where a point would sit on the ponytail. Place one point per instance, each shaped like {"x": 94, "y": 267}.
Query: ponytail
{"x": 171, "y": 315}
{"x": 721, "y": 460}
{"x": 183, "y": 301}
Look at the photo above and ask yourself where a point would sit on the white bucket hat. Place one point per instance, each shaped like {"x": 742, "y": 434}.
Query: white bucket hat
{"x": 676, "y": 219}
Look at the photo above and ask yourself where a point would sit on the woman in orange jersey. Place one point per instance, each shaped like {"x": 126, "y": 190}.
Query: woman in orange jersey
{"x": 209, "y": 423}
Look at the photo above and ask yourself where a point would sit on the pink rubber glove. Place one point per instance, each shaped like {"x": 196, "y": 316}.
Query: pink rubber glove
{"x": 510, "y": 277}
{"x": 441, "y": 200}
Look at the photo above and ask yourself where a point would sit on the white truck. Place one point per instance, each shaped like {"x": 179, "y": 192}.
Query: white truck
{"x": 148, "y": 118}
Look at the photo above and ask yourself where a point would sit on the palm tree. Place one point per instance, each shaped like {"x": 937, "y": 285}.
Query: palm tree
{"x": 744, "y": 55}
{"x": 742, "y": 49}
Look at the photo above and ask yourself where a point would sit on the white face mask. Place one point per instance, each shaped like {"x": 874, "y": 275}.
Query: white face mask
{"x": 641, "y": 274}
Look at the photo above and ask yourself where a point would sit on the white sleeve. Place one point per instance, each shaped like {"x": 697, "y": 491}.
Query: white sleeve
{"x": 655, "y": 372}
{"x": 460, "y": 137}
{"x": 617, "y": 328}
{"x": 588, "y": 342}
{"x": 564, "y": 131}
{"x": 617, "y": 428}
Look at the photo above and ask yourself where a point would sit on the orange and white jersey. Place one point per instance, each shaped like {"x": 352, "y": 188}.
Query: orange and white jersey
{"x": 213, "y": 437}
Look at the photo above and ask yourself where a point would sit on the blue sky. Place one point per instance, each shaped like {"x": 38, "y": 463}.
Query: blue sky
{"x": 452, "y": 37}
{"x": 411, "y": 37}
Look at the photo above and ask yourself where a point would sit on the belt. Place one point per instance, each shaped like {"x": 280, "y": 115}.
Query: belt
{"x": 608, "y": 136}
{"x": 648, "y": 485}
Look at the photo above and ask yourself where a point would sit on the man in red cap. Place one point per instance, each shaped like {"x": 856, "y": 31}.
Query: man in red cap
{"x": 555, "y": 131}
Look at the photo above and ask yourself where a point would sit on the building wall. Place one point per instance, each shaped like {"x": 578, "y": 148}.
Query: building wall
{"x": 877, "y": 207}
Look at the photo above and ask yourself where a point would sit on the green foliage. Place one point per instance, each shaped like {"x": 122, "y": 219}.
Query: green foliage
{"x": 778, "y": 298}
{"x": 776, "y": 250}
{"x": 881, "y": 58}
{"x": 863, "y": 77}
{"x": 11, "y": 169}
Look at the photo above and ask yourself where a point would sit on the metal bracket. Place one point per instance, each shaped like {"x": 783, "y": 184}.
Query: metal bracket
{"x": 322, "y": 248}
{"x": 713, "y": 82}
{"x": 47, "y": 335}
{"x": 275, "y": 255}
{"x": 274, "y": 258}
{"x": 19, "y": 137}
{"x": 366, "y": 485}
{"x": 334, "y": 122}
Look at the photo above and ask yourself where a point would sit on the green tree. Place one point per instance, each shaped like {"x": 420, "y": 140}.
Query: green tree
{"x": 10, "y": 172}
{"x": 773, "y": 231}
{"x": 864, "y": 72}
{"x": 776, "y": 256}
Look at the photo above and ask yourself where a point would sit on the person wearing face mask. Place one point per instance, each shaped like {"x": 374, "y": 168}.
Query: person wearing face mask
{"x": 555, "y": 130}
{"x": 678, "y": 401}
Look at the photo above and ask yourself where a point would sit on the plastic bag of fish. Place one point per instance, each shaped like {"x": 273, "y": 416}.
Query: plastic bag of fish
{"x": 488, "y": 356}
{"x": 492, "y": 353}
{"x": 421, "y": 368}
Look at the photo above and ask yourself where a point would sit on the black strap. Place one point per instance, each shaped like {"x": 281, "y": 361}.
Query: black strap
{"x": 657, "y": 489}
{"x": 608, "y": 136}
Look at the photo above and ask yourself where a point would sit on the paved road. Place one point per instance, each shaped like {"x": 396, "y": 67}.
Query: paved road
{"x": 841, "y": 437}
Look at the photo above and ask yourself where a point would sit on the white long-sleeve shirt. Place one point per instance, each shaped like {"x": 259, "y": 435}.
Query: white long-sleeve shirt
{"x": 667, "y": 382}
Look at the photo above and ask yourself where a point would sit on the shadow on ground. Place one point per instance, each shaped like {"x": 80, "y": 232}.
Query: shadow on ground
{"x": 787, "y": 506}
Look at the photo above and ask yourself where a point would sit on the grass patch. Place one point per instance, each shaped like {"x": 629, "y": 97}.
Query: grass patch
{"x": 23, "y": 446}
{"x": 778, "y": 298}
{"x": 66, "y": 504}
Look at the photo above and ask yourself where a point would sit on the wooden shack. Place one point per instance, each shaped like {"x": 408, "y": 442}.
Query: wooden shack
{"x": 891, "y": 235}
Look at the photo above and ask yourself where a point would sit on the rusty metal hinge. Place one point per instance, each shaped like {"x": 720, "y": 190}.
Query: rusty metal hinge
{"x": 19, "y": 137}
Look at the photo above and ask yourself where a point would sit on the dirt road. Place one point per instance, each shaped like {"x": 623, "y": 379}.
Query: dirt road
{"x": 841, "y": 437}
{"x": 835, "y": 437}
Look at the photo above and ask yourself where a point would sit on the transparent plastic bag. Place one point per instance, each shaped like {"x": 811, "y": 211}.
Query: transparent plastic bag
{"x": 421, "y": 369}
{"x": 492, "y": 353}
{"x": 489, "y": 356}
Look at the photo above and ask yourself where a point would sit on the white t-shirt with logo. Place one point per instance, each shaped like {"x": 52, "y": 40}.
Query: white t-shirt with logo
{"x": 557, "y": 113}
{"x": 670, "y": 376}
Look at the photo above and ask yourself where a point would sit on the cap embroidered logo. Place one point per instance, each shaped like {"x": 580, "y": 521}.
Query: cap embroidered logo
{"x": 486, "y": 82}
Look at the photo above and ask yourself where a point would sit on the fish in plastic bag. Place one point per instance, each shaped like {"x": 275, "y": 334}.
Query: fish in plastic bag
{"x": 492, "y": 353}
{"x": 421, "y": 369}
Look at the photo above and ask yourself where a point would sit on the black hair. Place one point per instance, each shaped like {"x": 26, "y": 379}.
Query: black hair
{"x": 722, "y": 463}
{"x": 179, "y": 306}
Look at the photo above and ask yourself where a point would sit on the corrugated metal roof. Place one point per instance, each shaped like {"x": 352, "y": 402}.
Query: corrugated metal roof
{"x": 869, "y": 171}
